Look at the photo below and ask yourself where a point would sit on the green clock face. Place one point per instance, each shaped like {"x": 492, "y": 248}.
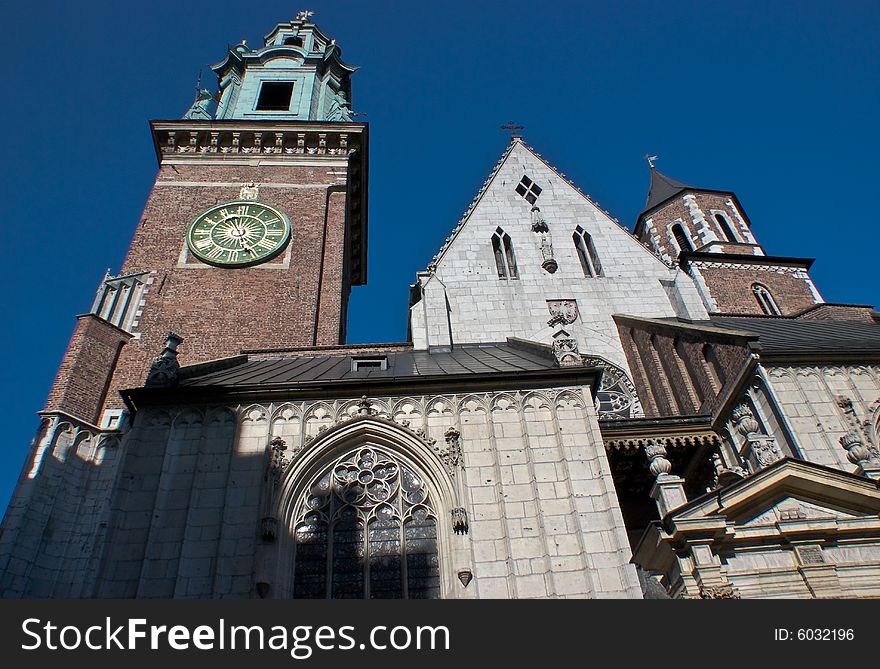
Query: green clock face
{"x": 238, "y": 234}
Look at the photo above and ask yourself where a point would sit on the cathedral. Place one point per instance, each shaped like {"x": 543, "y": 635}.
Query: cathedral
{"x": 580, "y": 411}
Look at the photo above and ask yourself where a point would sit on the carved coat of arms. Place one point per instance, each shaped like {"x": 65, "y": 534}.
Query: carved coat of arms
{"x": 562, "y": 312}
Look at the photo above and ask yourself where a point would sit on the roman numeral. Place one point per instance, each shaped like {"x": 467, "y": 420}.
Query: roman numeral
{"x": 202, "y": 244}
{"x": 216, "y": 253}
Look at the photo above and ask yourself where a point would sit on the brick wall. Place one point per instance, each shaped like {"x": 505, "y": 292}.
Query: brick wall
{"x": 296, "y": 299}
{"x": 695, "y": 212}
{"x": 678, "y": 371}
{"x": 83, "y": 377}
{"x": 839, "y": 312}
{"x": 731, "y": 289}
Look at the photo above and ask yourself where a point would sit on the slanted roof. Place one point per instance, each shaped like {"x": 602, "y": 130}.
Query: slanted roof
{"x": 782, "y": 335}
{"x": 475, "y": 359}
{"x": 662, "y": 188}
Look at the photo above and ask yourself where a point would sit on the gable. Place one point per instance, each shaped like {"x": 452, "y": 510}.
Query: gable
{"x": 790, "y": 508}
{"x": 788, "y": 490}
{"x": 564, "y": 207}
{"x": 471, "y": 293}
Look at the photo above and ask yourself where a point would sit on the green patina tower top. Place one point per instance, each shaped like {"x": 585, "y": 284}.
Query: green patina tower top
{"x": 298, "y": 75}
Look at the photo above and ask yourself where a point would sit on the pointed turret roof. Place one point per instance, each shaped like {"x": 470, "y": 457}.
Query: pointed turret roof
{"x": 662, "y": 188}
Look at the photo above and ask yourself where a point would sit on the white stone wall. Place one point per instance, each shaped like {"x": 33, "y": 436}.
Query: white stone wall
{"x": 463, "y": 299}
{"x": 57, "y": 515}
{"x": 543, "y": 515}
{"x": 807, "y": 396}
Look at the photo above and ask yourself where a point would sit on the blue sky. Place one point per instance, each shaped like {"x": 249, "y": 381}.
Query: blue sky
{"x": 776, "y": 101}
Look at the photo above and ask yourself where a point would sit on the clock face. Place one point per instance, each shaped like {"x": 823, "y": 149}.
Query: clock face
{"x": 238, "y": 234}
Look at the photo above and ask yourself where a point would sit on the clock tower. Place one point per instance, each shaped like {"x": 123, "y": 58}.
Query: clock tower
{"x": 253, "y": 234}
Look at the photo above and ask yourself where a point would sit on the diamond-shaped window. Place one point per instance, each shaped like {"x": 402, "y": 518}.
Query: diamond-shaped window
{"x": 528, "y": 189}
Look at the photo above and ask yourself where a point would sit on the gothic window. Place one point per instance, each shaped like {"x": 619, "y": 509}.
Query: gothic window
{"x": 765, "y": 300}
{"x": 367, "y": 530}
{"x": 502, "y": 248}
{"x": 586, "y": 251}
{"x": 275, "y": 96}
{"x": 681, "y": 238}
{"x": 528, "y": 189}
{"x": 726, "y": 230}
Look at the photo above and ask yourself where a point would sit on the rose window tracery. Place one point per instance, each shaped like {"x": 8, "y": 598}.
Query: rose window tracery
{"x": 367, "y": 529}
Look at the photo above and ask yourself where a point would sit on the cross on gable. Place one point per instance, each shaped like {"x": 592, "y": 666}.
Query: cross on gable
{"x": 512, "y": 128}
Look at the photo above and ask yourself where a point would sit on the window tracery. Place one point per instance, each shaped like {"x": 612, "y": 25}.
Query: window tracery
{"x": 367, "y": 529}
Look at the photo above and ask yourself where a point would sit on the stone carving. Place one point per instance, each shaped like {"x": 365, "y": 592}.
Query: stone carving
{"x": 465, "y": 576}
{"x": 249, "y": 191}
{"x": 339, "y": 109}
{"x": 856, "y": 451}
{"x": 459, "y": 520}
{"x": 616, "y": 397}
{"x": 268, "y": 528}
{"x": 745, "y": 421}
{"x": 766, "y": 451}
{"x": 539, "y": 226}
{"x": 365, "y": 407}
{"x": 422, "y": 434}
{"x": 452, "y": 455}
{"x": 724, "y": 476}
{"x": 657, "y": 462}
{"x": 278, "y": 461}
{"x": 863, "y": 431}
{"x": 726, "y": 591}
{"x": 562, "y": 312}
{"x": 757, "y": 445}
{"x": 565, "y": 350}
{"x": 163, "y": 371}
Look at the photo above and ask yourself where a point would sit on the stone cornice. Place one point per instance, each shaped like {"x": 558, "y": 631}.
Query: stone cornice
{"x": 221, "y": 138}
{"x": 635, "y": 433}
{"x": 780, "y": 264}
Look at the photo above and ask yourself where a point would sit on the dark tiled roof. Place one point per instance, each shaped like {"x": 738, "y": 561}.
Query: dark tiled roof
{"x": 662, "y": 188}
{"x": 292, "y": 370}
{"x": 782, "y": 335}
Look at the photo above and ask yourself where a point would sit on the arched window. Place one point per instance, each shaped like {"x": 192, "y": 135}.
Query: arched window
{"x": 765, "y": 300}
{"x": 681, "y": 238}
{"x": 367, "y": 529}
{"x": 586, "y": 251}
{"x": 505, "y": 262}
{"x": 293, "y": 41}
{"x": 726, "y": 230}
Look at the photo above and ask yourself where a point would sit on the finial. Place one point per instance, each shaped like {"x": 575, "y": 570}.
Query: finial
{"x": 511, "y": 127}
{"x": 304, "y": 15}
{"x": 163, "y": 371}
{"x": 650, "y": 160}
